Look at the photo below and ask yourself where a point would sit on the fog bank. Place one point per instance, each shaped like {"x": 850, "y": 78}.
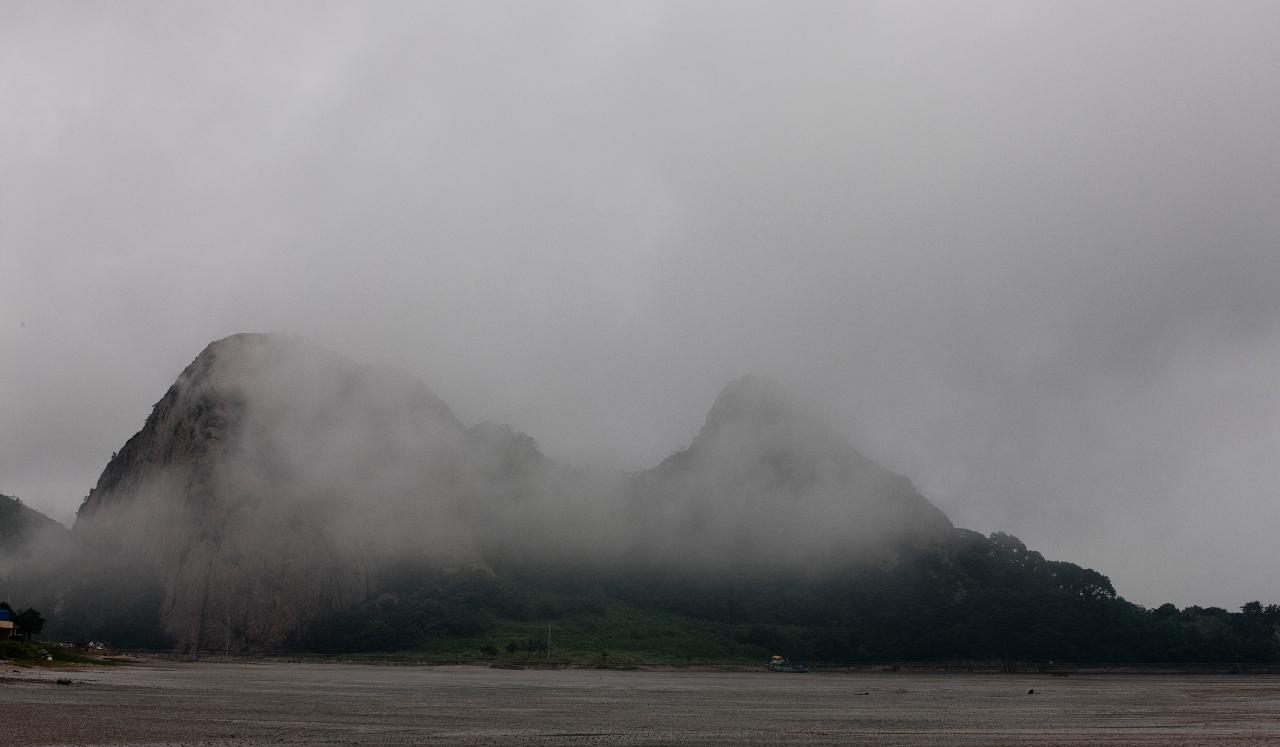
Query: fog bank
{"x": 1025, "y": 254}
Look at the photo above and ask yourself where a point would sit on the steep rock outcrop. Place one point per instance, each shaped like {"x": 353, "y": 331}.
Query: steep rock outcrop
{"x": 268, "y": 485}
{"x": 277, "y": 484}
{"x": 769, "y": 482}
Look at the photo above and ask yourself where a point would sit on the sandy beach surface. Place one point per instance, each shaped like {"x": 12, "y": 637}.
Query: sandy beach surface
{"x": 278, "y": 703}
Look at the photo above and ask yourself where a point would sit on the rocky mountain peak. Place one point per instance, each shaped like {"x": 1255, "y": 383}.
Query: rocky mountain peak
{"x": 752, "y": 400}
{"x": 272, "y": 390}
{"x": 268, "y": 481}
{"x": 276, "y": 483}
{"x": 770, "y": 480}
{"x": 759, "y": 430}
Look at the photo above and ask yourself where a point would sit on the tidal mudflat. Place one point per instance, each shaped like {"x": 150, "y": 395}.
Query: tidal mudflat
{"x": 242, "y": 704}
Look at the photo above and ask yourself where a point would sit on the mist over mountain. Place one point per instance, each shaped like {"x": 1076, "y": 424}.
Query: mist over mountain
{"x": 275, "y": 483}
{"x": 23, "y": 532}
{"x": 281, "y": 496}
{"x": 19, "y": 522}
{"x": 768, "y": 482}
{"x": 271, "y": 483}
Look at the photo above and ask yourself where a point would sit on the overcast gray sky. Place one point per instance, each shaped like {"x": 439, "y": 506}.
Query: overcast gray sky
{"x": 1027, "y": 253}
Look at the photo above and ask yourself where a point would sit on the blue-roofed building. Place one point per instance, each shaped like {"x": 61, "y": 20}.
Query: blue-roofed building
{"x": 6, "y": 623}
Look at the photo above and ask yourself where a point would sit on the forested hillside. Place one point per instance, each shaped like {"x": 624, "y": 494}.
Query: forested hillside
{"x": 970, "y": 598}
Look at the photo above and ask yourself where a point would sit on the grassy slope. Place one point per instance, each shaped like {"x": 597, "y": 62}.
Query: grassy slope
{"x": 629, "y": 635}
{"x": 36, "y": 653}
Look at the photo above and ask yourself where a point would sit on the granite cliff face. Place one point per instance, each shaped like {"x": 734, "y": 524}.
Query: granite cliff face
{"x": 276, "y": 484}
{"x": 271, "y": 483}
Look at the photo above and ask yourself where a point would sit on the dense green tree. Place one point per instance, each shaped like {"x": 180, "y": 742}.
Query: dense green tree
{"x": 28, "y": 622}
{"x": 969, "y": 598}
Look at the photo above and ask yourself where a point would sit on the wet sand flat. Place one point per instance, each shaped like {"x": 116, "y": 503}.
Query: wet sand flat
{"x": 242, "y": 704}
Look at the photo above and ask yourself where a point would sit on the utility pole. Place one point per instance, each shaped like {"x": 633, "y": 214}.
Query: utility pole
{"x": 548, "y": 640}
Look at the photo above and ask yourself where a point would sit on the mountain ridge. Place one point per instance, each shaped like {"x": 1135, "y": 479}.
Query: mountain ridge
{"x": 275, "y": 483}
{"x": 19, "y": 522}
{"x": 283, "y": 497}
